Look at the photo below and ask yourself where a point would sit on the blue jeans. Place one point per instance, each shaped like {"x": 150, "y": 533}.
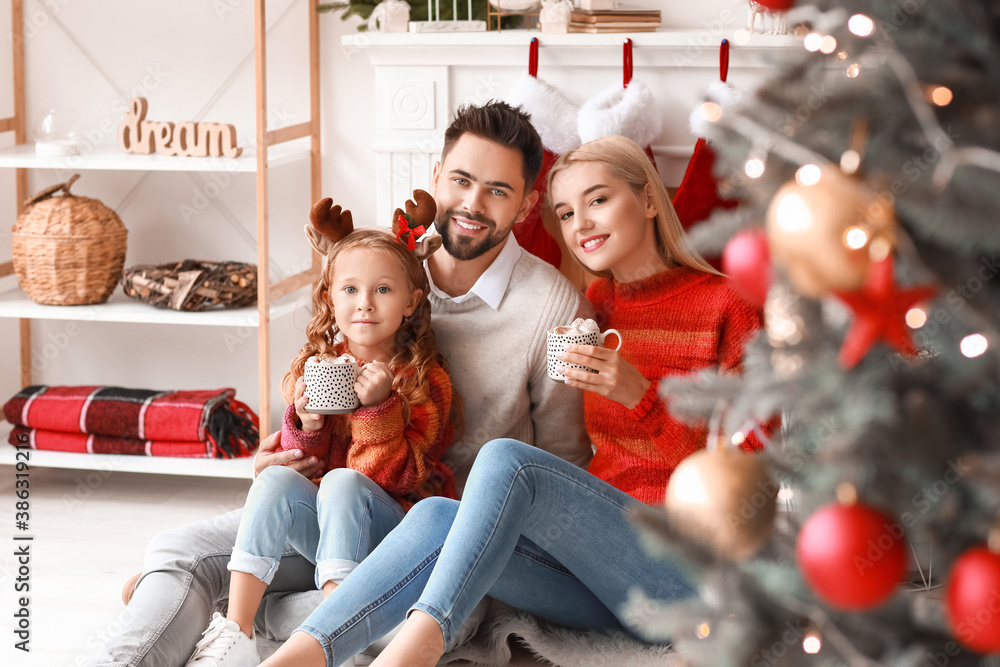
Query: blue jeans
{"x": 335, "y": 525}
{"x": 532, "y": 530}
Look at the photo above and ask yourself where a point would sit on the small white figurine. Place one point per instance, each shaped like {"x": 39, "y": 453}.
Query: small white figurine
{"x": 390, "y": 16}
{"x": 555, "y": 15}
{"x": 771, "y": 22}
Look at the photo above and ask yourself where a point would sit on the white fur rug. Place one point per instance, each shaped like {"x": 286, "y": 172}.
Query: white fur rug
{"x": 562, "y": 647}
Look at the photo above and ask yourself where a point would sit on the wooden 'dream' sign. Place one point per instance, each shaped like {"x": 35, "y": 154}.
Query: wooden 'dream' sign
{"x": 138, "y": 135}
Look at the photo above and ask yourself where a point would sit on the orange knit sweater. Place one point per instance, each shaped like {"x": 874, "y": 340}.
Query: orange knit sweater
{"x": 403, "y": 458}
{"x": 673, "y": 323}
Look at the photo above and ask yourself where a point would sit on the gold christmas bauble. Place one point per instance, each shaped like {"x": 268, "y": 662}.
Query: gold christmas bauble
{"x": 824, "y": 230}
{"x": 723, "y": 498}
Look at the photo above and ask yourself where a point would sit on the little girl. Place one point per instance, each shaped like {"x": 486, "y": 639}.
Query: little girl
{"x": 371, "y": 302}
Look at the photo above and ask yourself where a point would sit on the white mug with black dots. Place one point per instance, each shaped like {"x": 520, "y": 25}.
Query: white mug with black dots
{"x": 330, "y": 385}
{"x": 580, "y": 332}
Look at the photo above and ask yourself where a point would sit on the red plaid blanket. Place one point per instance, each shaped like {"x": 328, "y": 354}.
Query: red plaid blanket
{"x": 113, "y": 420}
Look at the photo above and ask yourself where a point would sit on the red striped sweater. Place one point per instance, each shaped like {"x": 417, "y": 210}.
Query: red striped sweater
{"x": 404, "y": 459}
{"x": 673, "y": 323}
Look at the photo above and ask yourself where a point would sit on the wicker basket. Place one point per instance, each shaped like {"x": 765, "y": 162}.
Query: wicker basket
{"x": 68, "y": 250}
{"x": 192, "y": 285}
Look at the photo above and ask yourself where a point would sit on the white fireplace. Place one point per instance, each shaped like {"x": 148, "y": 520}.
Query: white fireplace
{"x": 421, "y": 78}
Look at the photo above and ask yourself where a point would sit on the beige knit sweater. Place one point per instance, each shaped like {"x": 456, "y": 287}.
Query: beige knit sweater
{"x": 497, "y": 363}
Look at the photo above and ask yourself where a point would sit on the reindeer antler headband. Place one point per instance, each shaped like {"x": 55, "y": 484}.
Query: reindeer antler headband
{"x": 410, "y": 226}
{"x": 329, "y": 224}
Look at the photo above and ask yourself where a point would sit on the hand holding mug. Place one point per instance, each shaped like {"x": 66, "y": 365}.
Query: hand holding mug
{"x": 610, "y": 376}
{"x": 374, "y": 384}
{"x": 309, "y": 420}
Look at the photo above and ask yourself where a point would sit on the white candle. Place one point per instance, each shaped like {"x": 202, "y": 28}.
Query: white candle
{"x": 430, "y": 11}
{"x": 454, "y": 10}
{"x": 437, "y": 6}
{"x": 470, "y": 10}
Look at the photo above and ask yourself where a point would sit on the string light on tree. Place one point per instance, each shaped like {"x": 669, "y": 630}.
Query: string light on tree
{"x": 940, "y": 95}
{"x": 754, "y": 168}
{"x": 860, "y": 25}
{"x": 974, "y": 345}
{"x": 710, "y": 111}
{"x": 916, "y": 317}
{"x": 812, "y": 643}
{"x": 813, "y": 41}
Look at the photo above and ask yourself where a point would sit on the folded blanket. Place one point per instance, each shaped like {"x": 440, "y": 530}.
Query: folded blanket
{"x": 209, "y": 424}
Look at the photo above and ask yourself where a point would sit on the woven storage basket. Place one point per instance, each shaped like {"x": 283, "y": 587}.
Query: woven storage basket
{"x": 68, "y": 250}
{"x": 193, "y": 285}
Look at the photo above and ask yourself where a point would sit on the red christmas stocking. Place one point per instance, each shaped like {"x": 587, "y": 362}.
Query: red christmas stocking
{"x": 698, "y": 194}
{"x": 554, "y": 117}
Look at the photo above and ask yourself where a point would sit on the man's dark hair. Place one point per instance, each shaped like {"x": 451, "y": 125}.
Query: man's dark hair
{"x": 503, "y": 124}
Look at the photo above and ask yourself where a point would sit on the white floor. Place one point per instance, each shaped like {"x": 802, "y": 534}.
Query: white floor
{"x": 90, "y": 530}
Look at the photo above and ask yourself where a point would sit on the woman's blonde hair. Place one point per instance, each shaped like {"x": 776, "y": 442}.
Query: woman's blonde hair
{"x": 415, "y": 343}
{"x": 629, "y": 163}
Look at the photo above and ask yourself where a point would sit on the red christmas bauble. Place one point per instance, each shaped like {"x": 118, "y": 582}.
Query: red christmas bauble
{"x": 974, "y": 600}
{"x": 777, "y": 5}
{"x": 747, "y": 262}
{"x": 852, "y": 556}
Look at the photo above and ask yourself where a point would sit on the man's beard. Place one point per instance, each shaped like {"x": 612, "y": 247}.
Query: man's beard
{"x": 462, "y": 247}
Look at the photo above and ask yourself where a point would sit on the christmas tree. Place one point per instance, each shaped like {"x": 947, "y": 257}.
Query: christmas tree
{"x": 868, "y": 530}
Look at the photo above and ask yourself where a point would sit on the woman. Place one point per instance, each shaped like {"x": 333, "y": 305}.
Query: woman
{"x": 533, "y": 530}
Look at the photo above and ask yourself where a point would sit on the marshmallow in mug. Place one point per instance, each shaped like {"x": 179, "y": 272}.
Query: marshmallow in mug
{"x": 579, "y": 327}
{"x": 330, "y": 385}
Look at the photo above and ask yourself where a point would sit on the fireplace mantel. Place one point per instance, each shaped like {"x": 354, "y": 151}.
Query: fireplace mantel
{"x": 421, "y": 78}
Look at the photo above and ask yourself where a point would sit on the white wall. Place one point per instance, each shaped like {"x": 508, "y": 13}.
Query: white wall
{"x": 193, "y": 60}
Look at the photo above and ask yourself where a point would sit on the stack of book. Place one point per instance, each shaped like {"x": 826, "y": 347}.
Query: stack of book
{"x": 620, "y": 19}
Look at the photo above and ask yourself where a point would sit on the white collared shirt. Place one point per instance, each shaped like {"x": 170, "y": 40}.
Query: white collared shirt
{"x": 492, "y": 284}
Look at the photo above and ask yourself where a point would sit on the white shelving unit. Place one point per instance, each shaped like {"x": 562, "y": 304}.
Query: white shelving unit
{"x": 272, "y": 149}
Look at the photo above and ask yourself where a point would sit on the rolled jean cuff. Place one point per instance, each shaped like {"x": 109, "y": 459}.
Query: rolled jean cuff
{"x": 333, "y": 569}
{"x": 262, "y": 567}
{"x": 437, "y": 616}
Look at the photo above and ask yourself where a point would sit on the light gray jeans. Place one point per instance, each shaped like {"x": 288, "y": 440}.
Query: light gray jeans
{"x": 185, "y": 580}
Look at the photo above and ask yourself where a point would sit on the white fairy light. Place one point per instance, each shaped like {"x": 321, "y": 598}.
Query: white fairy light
{"x": 853, "y": 70}
{"x": 738, "y": 438}
{"x": 792, "y": 214}
{"x": 704, "y": 631}
{"x": 941, "y": 96}
{"x": 813, "y": 41}
{"x": 754, "y": 167}
{"x": 855, "y": 238}
{"x": 741, "y": 37}
{"x": 808, "y": 175}
{"x": 916, "y": 317}
{"x": 850, "y": 161}
{"x": 860, "y": 25}
{"x": 811, "y": 643}
{"x": 828, "y": 45}
{"x": 974, "y": 345}
{"x": 710, "y": 111}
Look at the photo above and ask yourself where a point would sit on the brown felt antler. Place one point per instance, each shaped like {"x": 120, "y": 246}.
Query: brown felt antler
{"x": 328, "y": 224}
{"x": 407, "y": 227}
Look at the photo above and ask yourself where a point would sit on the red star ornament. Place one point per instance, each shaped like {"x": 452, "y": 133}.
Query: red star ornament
{"x": 879, "y": 313}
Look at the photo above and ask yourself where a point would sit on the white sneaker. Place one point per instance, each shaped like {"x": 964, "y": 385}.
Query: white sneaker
{"x": 224, "y": 645}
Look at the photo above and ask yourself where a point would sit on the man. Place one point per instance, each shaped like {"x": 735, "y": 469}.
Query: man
{"x": 492, "y": 305}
